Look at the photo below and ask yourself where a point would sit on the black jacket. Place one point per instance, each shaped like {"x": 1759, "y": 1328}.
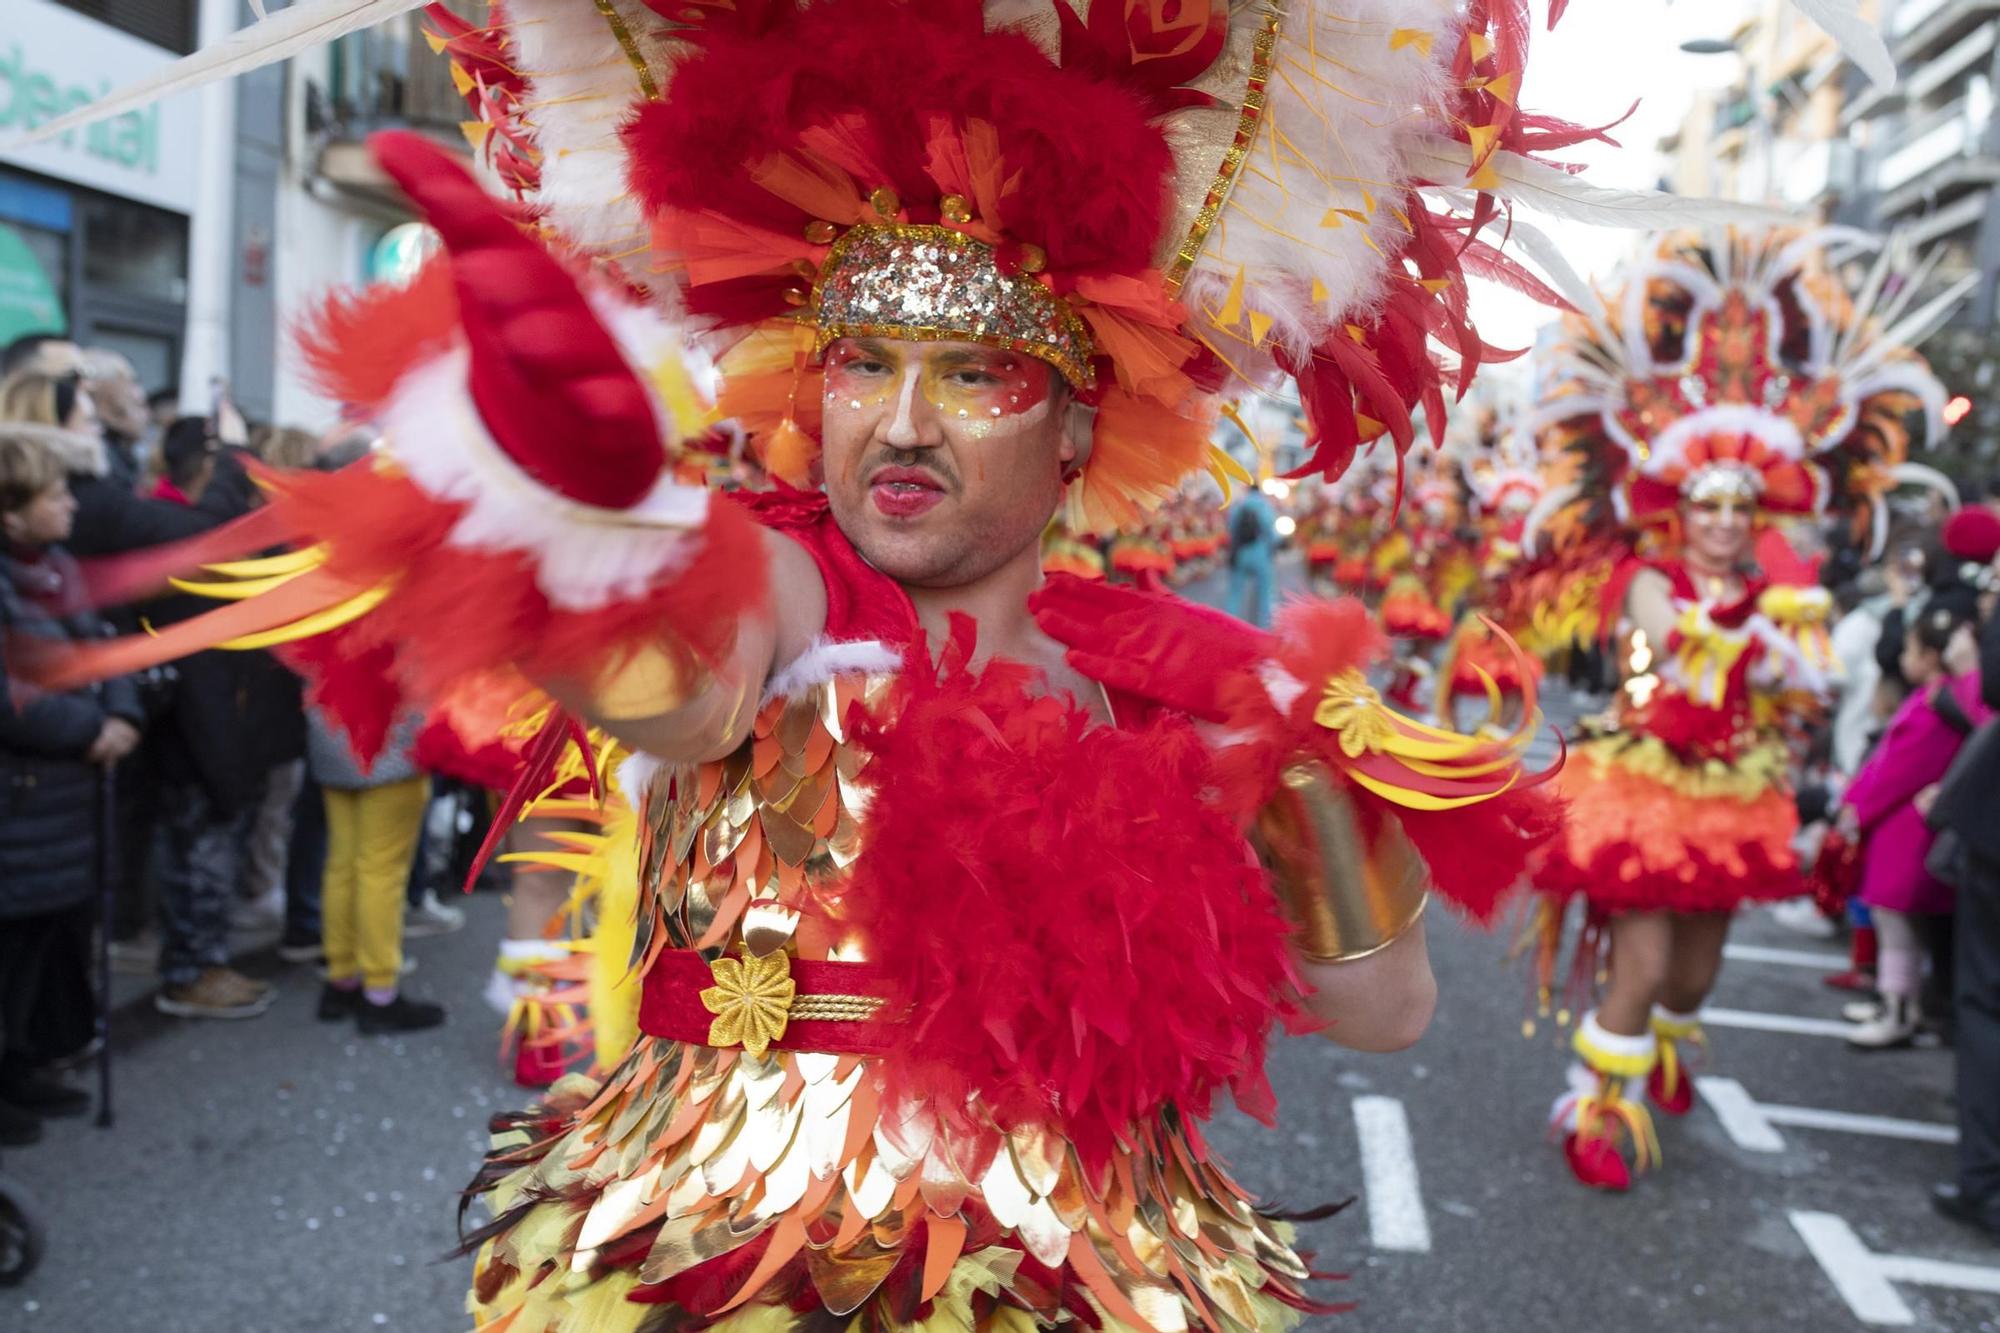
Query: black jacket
{"x": 229, "y": 716}
{"x": 112, "y": 517}
{"x": 48, "y": 790}
{"x": 1968, "y": 802}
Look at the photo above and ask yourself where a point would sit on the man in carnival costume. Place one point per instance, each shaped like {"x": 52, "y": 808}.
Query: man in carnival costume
{"x": 950, "y": 928}
{"x": 1737, "y": 379}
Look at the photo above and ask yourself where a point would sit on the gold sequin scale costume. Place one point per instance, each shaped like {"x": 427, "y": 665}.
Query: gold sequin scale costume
{"x": 741, "y": 1191}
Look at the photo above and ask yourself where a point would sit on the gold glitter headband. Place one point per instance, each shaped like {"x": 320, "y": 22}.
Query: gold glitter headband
{"x": 929, "y": 283}
{"x": 1723, "y": 481}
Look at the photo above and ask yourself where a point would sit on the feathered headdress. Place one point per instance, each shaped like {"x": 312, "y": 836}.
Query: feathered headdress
{"x": 1167, "y": 200}
{"x": 1745, "y": 367}
{"x": 1163, "y": 201}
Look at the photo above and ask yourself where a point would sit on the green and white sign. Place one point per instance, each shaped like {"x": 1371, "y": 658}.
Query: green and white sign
{"x": 53, "y": 60}
{"x": 29, "y": 302}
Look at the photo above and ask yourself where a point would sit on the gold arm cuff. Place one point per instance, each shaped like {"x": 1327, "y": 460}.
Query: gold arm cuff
{"x": 1348, "y": 897}
{"x": 645, "y": 683}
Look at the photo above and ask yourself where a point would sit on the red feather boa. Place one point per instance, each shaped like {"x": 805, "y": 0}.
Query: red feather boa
{"x": 1085, "y": 939}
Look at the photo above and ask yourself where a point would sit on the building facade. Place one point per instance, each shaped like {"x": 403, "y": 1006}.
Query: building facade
{"x": 335, "y": 220}
{"x": 193, "y": 234}
{"x": 1927, "y": 167}
{"x": 96, "y": 227}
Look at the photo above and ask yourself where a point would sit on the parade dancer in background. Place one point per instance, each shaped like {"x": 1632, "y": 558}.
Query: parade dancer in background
{"x": 1479, "y": 662}
{"x": 1735, "y": 379}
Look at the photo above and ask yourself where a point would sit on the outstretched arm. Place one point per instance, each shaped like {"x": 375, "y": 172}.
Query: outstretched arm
{"x": 678, "y": 715}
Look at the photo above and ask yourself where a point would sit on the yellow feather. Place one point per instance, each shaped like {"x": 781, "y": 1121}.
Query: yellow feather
{"x": 332, "y": 618}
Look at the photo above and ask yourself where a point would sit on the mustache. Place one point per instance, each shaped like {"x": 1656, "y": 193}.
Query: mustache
{"x": 923, "y": 460}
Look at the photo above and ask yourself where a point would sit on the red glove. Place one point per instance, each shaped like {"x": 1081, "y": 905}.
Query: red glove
{"x": 1155, "y": 646}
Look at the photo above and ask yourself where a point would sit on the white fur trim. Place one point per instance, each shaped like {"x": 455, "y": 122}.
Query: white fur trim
{"x": 1670, "y": 446}
{"x": 826, "y": 659}
{"x": 585, "y": 558}
{"x": 1615, "y": 1043}
{"x": 636, "y": 773}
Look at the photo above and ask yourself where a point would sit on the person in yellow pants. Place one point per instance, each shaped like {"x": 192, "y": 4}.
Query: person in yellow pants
{"x": 374, "y": 815}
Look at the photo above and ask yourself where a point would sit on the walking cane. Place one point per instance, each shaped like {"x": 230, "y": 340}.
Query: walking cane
{"x": 107, "y": 832}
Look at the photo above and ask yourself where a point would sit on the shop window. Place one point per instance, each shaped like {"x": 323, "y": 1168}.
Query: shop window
{"x": 168, "y": 23}
{"x": 133, "y": 251}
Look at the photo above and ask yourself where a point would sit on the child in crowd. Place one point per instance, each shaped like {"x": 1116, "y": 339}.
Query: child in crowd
{"x": 1880, "y": 808}
{"x": 55, "y": 751}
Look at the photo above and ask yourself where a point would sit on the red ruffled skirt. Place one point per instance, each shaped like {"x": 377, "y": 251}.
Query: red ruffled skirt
{"x": 1647, "y": 833}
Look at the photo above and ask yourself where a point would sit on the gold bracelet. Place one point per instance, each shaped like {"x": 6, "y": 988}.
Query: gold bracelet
{"x": 1349, "y": 897}
{"x": 645, "y": 682}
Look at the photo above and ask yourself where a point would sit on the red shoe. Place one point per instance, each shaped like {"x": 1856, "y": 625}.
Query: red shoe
{"x": 1595, "y": 1162}
{"x": 1680, "y": 1101}
{"x": 537, "y": 1064}
{"x": 1854, "y": 979}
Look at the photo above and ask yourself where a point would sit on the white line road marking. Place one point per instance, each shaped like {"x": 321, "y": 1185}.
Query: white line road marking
{"x": 1396, "y": 1218}
{"x": 1748, "y": 1127}
{"x": 1845, "y": 1122}
{"x": 1757, "y": 953}
{"x": 1863, "y": 1278}
{"x": 1853, "y": 1271}
{"x": 1752, "y": 1125}
{"x": 1755, "y": 1022}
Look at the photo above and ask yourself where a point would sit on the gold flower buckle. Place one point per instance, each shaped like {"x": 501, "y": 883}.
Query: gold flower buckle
{"x": 755, "y": 998}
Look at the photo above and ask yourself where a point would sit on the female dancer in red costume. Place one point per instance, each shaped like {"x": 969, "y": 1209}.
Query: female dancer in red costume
{"x": 1747, "y": 384}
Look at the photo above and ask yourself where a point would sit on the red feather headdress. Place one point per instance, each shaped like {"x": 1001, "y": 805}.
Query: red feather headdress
{"x": 1747, "y": 367}
{"x": 1168, "y": 202}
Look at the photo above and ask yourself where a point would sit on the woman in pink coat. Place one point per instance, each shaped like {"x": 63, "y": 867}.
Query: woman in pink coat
{"x": 1913, "y": 753}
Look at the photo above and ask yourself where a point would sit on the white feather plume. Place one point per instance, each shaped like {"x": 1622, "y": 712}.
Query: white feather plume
{"x": 1558, "y": 194}
{"x": 581, "y": 87}
{"x": 1315, "y": 200}
{"x": 1860, "y": 39}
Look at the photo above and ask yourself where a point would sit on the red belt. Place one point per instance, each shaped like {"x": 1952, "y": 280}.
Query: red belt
{"x": 789, "y": 1003}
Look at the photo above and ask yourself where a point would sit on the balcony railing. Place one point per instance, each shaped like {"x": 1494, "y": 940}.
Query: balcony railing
{"x": 1931, "y": 140}
{"x": 388, "y": 76}
{"x": 1918, "y": 29}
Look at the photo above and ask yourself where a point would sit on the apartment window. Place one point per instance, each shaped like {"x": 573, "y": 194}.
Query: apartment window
{"x": 168, "y": 23}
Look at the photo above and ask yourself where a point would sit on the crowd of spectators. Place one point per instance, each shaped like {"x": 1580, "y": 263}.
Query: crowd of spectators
{"x": 182, "y": 805}
{"x": 1902, "y": 803}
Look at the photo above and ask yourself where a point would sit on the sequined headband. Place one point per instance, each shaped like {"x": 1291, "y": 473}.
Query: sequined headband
{"x": 1723, "y": 481}
{"x": 930, "y": 283}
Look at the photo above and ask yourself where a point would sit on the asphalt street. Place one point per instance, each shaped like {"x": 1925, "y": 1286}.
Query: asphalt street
{"x": 280, "y": 1174}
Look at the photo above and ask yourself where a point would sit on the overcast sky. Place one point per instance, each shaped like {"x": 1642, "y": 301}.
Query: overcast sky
{"x": 1605, "y": 54}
